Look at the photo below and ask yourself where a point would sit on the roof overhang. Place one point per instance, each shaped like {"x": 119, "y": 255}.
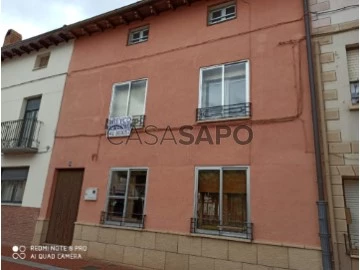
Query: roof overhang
{"x": 112, "y": 19}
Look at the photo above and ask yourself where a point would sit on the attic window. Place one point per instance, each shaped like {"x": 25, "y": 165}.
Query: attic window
{"x": 223, "y": 12}
{"x": 42, "y": 61}
{"x": 138, "y": 35}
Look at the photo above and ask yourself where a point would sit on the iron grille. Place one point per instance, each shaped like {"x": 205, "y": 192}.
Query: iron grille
{"x": 214, "y": 226}
{"x": 116, "y": 218}
{"x": 20, "y": 135}
{"x": 354, "y": 89}
{"x": 224, "y": 112}
{"x": 352, "y": 247}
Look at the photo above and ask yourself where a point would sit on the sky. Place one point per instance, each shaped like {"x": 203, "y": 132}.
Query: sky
{"x": 31, "y": 18}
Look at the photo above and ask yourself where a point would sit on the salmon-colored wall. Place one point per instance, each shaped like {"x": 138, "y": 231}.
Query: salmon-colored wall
{"x": 283, "y": 188}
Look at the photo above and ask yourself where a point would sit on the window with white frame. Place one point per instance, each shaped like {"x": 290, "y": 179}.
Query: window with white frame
{"x": 128, "y": 99}
{"x": 138, "y": 35}
{"x": 223, "y": 12}
{"x": 126, "y": 197}
{"x": 224, "y": 91}
{"x": 351, "y": 196}
{"x": 13, "y": 182}
{"x": 353, "y": 70}
{"x": 221, "y": 201}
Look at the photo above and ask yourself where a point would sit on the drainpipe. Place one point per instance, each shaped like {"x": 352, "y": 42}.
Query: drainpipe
{"x": 321, "y": 203}
{"x": 326, "y": 156}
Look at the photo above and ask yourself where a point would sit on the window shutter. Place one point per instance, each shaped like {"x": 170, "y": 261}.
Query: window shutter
{"x": 351, "y": 189}
{"x": 353, "y": 64}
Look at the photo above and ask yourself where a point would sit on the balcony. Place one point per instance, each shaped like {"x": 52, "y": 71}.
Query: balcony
{"x": 239, "y": 110}
{"x": 117, "y": 219}
{"x": 232, "y": 228}
{"x": 20, "y": 136}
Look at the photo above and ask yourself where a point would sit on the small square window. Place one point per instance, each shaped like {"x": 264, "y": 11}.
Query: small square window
{"x": 222, "y": 13}
{"x": 138, "y": 35}
{"x": 42, "y": 61}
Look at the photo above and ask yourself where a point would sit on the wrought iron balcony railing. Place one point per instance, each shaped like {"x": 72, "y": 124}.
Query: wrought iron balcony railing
{"x": 20, "y": 136}
{"x": 215, "y": 227}
{"x": 117, "y": 219}
{"x": 224, "y": 112}
{"x": 137, "y": 121}
{"x": 351, "y": 245}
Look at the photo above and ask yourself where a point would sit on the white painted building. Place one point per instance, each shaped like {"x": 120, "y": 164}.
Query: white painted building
{"x": 31, "y": 94}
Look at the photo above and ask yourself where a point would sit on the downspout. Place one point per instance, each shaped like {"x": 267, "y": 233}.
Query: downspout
{"x": 326, "y": 156}
{"x": 321, "y": 203}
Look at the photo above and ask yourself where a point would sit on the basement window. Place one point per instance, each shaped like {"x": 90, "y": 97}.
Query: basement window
{"x": 138, "y": 35}
{"x": 221, "y": 13}
{"x": 42, "y": 61}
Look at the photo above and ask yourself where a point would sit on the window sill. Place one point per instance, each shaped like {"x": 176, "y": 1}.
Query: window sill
{"x": 222, "y": 237}
{"x": 354, "y": 107}
{"x": 354, "y": 256}
{"x": 37, "y": 68}
{"x": 223, "y": 119}
{"x": 125, "y": 227}
{"x": 11, "y": 204}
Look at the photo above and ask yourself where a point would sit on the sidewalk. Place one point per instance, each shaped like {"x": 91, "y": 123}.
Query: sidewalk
{"x": 9, "y": 263}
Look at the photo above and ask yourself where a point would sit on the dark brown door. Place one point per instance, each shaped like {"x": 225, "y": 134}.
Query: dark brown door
{"x": 65, "y": 207}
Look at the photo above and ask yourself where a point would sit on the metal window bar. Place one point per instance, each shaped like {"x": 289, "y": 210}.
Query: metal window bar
{"x": 354, "y": 89}
{"x": 223, "y": 112}
{"x": 116, "y": 218}
{"x": 20, "y": 134}
{"x": 213, "y": 226}
{"x": 352, "y": 247}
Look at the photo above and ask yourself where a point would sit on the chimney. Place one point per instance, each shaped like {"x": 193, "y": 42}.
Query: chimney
{"x": 12, "y": 37}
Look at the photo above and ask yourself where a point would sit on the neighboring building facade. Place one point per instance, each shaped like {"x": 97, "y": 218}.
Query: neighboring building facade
{"x": 33, "y": 80}
{"x": 166, "y": 205}
{"x": 336, "y": 46}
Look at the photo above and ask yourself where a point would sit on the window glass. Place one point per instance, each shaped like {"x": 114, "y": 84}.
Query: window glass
{"x": 208, "y": 199}
{"x": 235, "y": 83}
{"x": 222, "y": 12}
{"x": 212, "y": 87}
{"x": 119, "y": 101}
{"x": 137, "y": 98}
{"x": 222, "y": 200}
{"x": 138, "y": 35}
{"x": 136, "y": 195}
{"x": 13, "y": 182}
{"x": 128, "y": 99}
{"x": 127, "y": 197}
{"x": 234, "y": 198}
{"x": 224, "y": 92}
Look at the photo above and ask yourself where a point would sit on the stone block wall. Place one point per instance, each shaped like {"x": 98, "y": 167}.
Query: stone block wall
{"x": 169, "y": 251}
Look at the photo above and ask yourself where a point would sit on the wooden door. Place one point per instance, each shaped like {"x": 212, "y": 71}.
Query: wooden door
{"x": 65, "y": 207}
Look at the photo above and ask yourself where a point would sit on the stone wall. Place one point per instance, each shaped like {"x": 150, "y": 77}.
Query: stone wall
{"x": 341, "y": 119}
{"x": 169, "y": 251}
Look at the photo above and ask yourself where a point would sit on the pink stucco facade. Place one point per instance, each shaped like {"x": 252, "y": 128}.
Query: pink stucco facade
{"x": 270, "y": 34}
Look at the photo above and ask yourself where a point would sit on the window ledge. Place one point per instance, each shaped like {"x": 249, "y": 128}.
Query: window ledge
{"x": 354, "y": 256}
{"x": 354, "y": 107}
{"x": 11, "y": 204}
{"x": 232, "y": 238}
{"x": 223, "y": 119}
{"x": 37, "y": 68}
{"x": 121, "y": 227}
